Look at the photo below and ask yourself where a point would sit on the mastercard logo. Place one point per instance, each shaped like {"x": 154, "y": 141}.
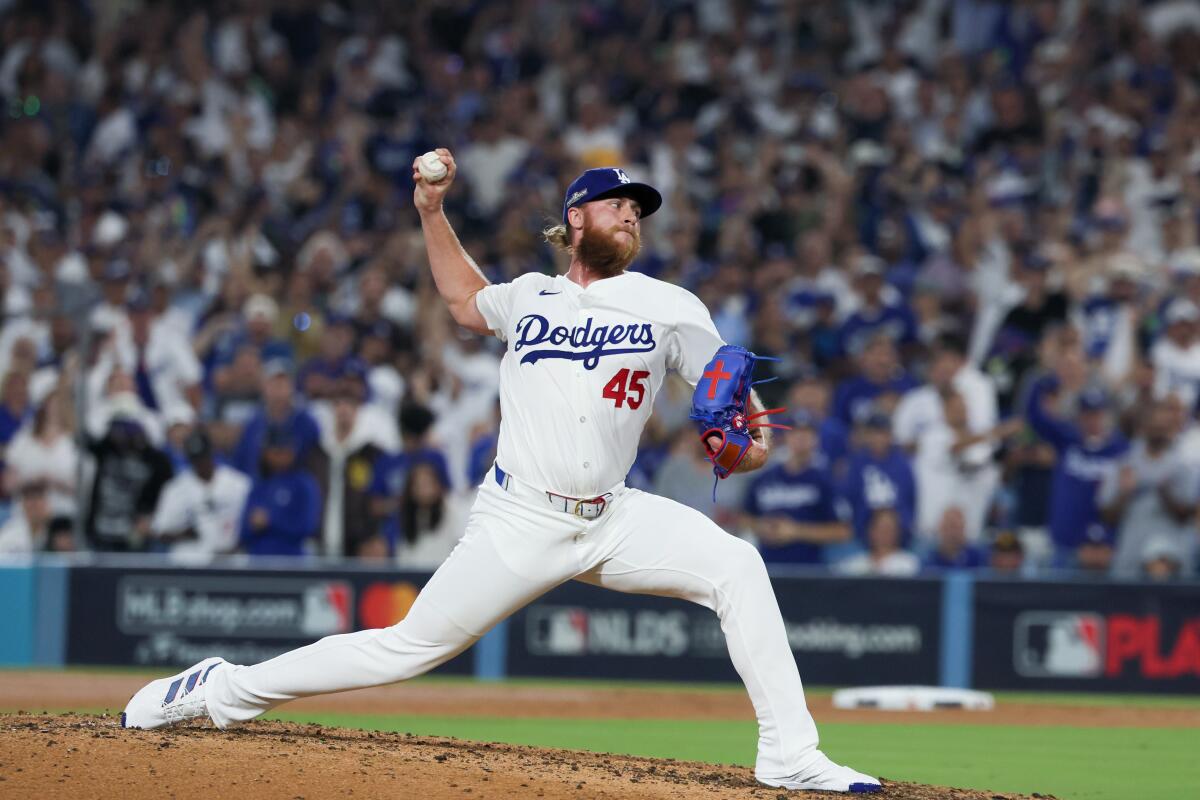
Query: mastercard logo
{"x": 384, "y": 604}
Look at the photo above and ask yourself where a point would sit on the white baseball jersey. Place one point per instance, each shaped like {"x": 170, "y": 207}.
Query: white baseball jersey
{"x": 213, "y": 510}
{"x": 582, "y": 369}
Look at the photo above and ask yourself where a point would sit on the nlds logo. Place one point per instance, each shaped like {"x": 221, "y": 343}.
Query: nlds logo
{"x": 1067, "y": 644}
{"x": 573, "y": 631}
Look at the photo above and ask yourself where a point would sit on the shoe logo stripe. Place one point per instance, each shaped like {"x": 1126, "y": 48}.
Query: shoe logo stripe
{"x": 191, "y": 681}
{"x": 174, "y": 690}
{"x": 211, "y": 667}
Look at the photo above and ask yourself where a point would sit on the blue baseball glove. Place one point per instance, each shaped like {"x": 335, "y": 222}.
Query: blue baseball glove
{"x": 719, "y": 407}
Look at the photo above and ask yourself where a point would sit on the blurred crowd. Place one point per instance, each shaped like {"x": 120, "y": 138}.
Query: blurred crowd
{"x": 968, "y": 230}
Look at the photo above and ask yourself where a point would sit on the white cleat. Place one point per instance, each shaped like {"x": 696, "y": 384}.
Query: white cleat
{"x": 825, "y": 776}
{"x": 170, "y": 700}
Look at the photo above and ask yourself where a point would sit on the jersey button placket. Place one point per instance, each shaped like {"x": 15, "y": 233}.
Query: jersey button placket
{"x": 582, "y": 394}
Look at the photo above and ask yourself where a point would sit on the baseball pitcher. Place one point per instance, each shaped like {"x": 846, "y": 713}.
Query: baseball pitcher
{"x": 586, "y": 354}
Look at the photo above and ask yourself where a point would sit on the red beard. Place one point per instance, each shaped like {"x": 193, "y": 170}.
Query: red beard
{"x": 605, "y": 253}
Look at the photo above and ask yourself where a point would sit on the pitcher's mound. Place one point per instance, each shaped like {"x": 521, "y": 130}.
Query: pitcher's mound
{"x": 74, "y": 756}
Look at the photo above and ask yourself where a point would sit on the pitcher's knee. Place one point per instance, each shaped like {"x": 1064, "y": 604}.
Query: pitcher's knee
{"x": 743, "y": 562}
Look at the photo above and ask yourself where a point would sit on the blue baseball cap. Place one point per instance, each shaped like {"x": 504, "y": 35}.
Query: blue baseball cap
{"x": 601, "y": 182}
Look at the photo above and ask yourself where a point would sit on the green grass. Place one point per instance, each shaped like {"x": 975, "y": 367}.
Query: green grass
{"x": 1053, "y": 698}
{"x": 1072, "y": 763}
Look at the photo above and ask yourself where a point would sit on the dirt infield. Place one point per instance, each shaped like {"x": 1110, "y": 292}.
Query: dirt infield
{"x": 73, "y": 756}
{"x": 88, "y": 756}
{"x": 37, "y": 691}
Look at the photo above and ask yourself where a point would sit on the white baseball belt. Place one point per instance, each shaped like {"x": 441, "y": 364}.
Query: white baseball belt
{"x": 582, "y": 507}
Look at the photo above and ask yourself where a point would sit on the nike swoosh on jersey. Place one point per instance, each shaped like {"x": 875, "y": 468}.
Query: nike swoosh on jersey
{"x": 543, "y": 292}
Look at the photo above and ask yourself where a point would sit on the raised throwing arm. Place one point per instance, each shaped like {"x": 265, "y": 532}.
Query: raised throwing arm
{"x": 454, "y": 273}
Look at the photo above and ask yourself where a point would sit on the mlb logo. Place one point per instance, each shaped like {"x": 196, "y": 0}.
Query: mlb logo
{"x": 326, "y": 609}
{"x": 557, "y": 631}
{"x": 1058, "y": 644}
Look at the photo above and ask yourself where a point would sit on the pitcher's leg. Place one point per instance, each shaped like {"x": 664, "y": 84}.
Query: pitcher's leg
{"x": 474, "y": 589}
{"x": 672, "y": 550}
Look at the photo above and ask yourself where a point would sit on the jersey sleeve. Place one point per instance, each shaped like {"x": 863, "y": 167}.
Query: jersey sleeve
{"x": 693, "y": 340}
{"x": 497, "y": 300}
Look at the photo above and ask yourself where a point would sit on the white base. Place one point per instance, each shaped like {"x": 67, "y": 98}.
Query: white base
{"x": 913, "y": 698}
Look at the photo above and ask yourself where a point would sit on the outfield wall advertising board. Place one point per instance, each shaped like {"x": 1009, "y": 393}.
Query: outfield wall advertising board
{"x": 1107, "y": 637}
{"x": 838, "y": 635}
{"x": 169, "y": 617}
{"x": 1023, "y": 635}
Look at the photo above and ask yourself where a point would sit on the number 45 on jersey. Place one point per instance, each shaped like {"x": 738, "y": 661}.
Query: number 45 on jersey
{"x": 627, "y": 387}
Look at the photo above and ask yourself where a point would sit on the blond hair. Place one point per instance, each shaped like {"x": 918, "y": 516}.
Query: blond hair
{"x": 559, "y": 236}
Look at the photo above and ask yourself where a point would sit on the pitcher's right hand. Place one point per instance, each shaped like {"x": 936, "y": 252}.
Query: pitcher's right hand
{"x": 427, "y": 197}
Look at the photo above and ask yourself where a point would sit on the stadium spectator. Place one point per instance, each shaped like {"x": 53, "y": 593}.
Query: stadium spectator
{"x": 810, "y": 395}
{"x": 1176, "y": 354}
{"x": 1164, "y": 559}
{"x": 793, "y": 507}
{"x": 955, "y": 468}
{"x": 1086, "y": 453}
{"x": 879, "y": 476}
{"x": 1108, "y": 320}
{"x": 949, "y": 370}
{"x": 952, "y": 548}
{"x": 199, "y": 512}
{"x": 378, "y": 345}
{"x": 280, "y": 406}
{"x": 27, "y": 530}
{"x": 108, "y": 314}
{"x": 335, "y": 360}
{"x": 1007, "y": 556}
{"x": 113, "y": 392}
{"x": 876, "y": 315}
{"x": 45, "y": 451}
{"x": 160, "y": 358}
{"x": 391, "y": 472}
{"x": 355, "y": 439}
{"x": 1013, "y": 349}
{"x": 15, "y": 406}
{"x": 236, "y": 396}
{"x": 60, "y": 536}
{"x": 180, "y": 420}
{"x": 282, "y": 516}
{"x": 255, "y": 332}
{"x": 301, "y": 320}
{"x": 884, "y": 554}
{"x": 130, "y": 473}
{"x": 430, "y": 521}
{"x": 879, "y": 383}
{"x": 242, "y": 159}
{"x": 1152, "y": 497}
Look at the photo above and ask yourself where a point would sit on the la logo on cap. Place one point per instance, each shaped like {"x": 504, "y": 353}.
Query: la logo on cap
{"x": 621, "y": 176}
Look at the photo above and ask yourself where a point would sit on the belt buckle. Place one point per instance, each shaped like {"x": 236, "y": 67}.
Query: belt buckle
{"x": 595, "y": 501}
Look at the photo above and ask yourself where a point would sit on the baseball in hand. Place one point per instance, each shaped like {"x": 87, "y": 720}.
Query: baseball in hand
{"x": 431, "y": 167}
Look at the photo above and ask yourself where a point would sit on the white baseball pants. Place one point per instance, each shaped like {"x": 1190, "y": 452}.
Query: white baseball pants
{"x": 514, "y": 551}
